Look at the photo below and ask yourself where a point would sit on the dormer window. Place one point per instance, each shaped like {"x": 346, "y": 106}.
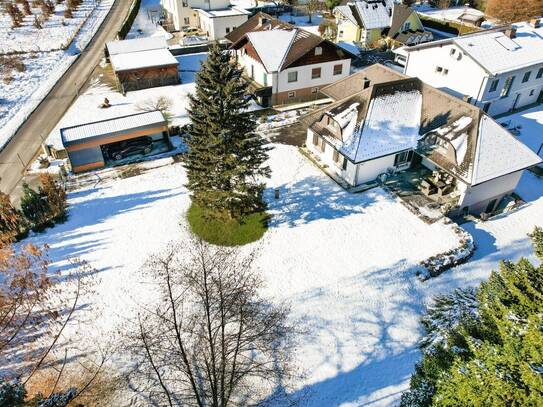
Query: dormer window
{"x": 318, "y": 50}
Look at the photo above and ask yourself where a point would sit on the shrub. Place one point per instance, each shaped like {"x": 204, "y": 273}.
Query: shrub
{"x": 35, "y": 208}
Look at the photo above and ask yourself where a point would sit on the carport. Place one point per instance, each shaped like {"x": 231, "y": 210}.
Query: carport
{"x": 87, "y": 144}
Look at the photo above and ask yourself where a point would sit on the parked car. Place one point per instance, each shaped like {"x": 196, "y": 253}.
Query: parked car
{"x": 188, "y": 31}
{"x": 123, "y": 149}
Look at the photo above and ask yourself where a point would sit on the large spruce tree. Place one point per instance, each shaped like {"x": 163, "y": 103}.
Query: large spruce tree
{"x": 496, "y": 358}
{"x": 225, "y": 159}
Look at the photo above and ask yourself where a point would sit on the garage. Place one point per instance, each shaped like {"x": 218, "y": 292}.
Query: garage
{"x": 115, "y": 141}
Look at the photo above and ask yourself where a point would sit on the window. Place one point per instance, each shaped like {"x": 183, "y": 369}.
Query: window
{"x": 336, "y": 156}
{"x": 494, "y": 85}
{"x": 486, "y": 107}
{"x": 507, "y": 86}
{"x": 338, "y": 69}
{"x": 227, "y": 30}
{"x": 539, "y": 73}
{"x": 526, "y": 77}
{"x": 532, "y": 92}
{"x": 291, "y": 95}
{"x": 406, "y": 26}
{"x": 186, "y": 20}
{"x": 314, "y": 90}
{"x": 344, "y": 163}
{"x": 293, "y": 76}
{"x": 252, "y": 71}
{"x": 445, "y": 72}
{"x": 453, "y": 51}
{"x": 265, "y": 78}
{"x": 439, "y": 69}
{"x": 340, "y": 35}
{"x": 185, "y": 3}
{"x": 315, "y": 139}
{"x": 323, "y": 145}
{"x": 318, "y": 50}
{"x": 315, "y": 73}
{"x": 403, "y": 158}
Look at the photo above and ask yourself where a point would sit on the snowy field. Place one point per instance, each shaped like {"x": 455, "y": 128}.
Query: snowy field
{"x": 344, "y": 262}
{"x": 20, "y": 96}
{"x": 146, "y": 22}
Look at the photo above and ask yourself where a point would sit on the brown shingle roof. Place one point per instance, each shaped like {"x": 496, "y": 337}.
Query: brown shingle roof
{"x": 259, "y": 22}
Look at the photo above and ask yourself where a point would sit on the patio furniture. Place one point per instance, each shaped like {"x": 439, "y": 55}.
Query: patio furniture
{"x": 427, "y": 187}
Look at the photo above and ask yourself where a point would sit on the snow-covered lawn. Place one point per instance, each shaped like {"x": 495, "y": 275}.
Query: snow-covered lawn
{"x": 303, "y": 22}
{"x": 20, "y": 96}
{"x": 345, "y": 262}
{"x": 146, "y": 22}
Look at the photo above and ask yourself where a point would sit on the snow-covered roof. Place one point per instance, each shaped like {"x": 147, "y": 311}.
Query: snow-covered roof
{"x": 136, "y": 45}
{"x": 375, "y": 13}
{"x": 272, "y": 46}
{"x": 228, "y": 12}
{"x": 495, "y": 51}
{"x": 391, "y": 125}
{"x": 119, "y": 124}
{"x": 142, "y": 59}
{"x": 499, "y": 153}
{"x": 347, "y": 13}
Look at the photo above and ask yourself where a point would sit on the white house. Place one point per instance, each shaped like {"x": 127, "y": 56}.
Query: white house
{"x": 498, "y": 70}
{"x": 286, "y": 64}
{"x": 216, "y": 24}
{"x": 214, "y": 17}
{"x": 382, "y": 121}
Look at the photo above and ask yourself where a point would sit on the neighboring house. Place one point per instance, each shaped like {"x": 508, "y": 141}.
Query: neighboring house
{"x": 216, "y": 24}
{"x": 461, "y": 15}
{"x": 142, "y": 63}
{"x": 87, "y": 144}
{"x": 382, "y": 120}
{"x": 214, "y": 17}
{"x": 368, "y": 21}
{"x": 286, "y": 64}
{"x": 498, "y": 70}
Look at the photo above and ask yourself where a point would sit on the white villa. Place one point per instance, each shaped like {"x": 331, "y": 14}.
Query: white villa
{"x": 384, "y": 122}
{"x": 498, "y": 70}
{"x": 216, "y": 18}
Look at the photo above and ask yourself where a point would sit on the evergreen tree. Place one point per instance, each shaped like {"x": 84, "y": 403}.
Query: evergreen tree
{"x": 12, "y": 394}
{"x": 225, "y": 159}
{"x": 499, "y": 359}
{"x": 34, "y": 207}
{"x": 55, "y": 196}
{"x": 10, "y": 221}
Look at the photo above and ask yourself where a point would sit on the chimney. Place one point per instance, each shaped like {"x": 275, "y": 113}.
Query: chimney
{"x": 366, "y": 83}
{"x": 511, "y": 33}
{"x": 535, "y": 22}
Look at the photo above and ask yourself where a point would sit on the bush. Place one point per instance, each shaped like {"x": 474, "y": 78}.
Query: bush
{"x": 35, "y": 208}
{"x": 226, "y": 232}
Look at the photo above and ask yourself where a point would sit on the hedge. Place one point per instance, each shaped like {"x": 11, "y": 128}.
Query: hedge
{"x": 448, "y": 27}
{"x": 129, "y": 20}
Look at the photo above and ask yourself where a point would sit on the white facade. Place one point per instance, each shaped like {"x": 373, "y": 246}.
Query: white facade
{"x": 494, "y": 71}
{"x": 183, "y": 12}
{"x": 216, "y": 24}
{"x": 353, "y": 174}
{"x": 279, "y": 81}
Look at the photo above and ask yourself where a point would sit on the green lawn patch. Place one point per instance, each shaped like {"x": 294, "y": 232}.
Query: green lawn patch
{"x": 227, "y": 233}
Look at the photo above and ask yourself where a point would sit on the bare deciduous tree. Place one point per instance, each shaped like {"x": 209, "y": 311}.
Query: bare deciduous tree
{"x": 161, "y": 103}
{"x": 212, "y": 340}
{"x": 312, "y": 6}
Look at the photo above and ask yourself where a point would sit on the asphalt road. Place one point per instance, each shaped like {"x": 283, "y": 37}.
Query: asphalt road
{"x": 26, "y": 143}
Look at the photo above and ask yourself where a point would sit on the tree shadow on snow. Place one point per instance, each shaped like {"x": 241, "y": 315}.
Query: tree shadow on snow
{"x": 314, "y": 198}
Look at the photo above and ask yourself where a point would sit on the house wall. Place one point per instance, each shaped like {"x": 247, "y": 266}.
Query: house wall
{"x": 477, "y": 197}
{"x": 467, "y": 78}
{"x": 179, "y": 10}
{"x": 86, "y": 159}
{"x": 147, "y": 78}
{"x": 347, "y": 31}
{"x": 216, "y": 27}
{"x": 528, "y": 91}
{"x": 354, "y": 174}
{"x": 304, "y": 76}
{"x": 246, "y": 61}
{"x": 414, "y": 21}
{"x": 464, "y": 76}
{"x": 370, "y": 37}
